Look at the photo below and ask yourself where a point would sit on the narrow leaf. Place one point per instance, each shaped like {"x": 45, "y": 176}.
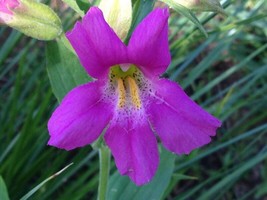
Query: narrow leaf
{"x": 73, "y": 4}
{"x": 36, "y": 188}
{"x": 187, "y": 13}
{"x": 3, "y": 190}
{"x": 213, "y": 191}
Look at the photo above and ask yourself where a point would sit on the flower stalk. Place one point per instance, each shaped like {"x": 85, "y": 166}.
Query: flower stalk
{"x": 104, "y": 164}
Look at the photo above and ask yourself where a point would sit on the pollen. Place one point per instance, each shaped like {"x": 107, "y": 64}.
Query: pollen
{"x": 134, "y": 92}
{"x": 122, "y": 93}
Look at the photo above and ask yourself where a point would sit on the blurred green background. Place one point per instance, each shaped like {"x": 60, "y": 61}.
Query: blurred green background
{"x": 226, "y": 73}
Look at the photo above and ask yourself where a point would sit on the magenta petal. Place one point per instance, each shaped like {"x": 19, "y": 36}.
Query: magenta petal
{"x": 80, "y": 118}
{"x": 96, "y": 44}
{"x": 135, "y": 151}
{"x": 181, "y": 124}
{"x": 148, "y": 46}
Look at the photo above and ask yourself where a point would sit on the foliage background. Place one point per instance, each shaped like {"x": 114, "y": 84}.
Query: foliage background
{"x": 226, "y": 73}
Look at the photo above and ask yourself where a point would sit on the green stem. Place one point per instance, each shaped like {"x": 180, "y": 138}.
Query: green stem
{"x": 104, "y": 161}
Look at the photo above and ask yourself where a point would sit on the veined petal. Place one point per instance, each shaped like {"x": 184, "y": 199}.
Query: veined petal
{"x": 134, "y": 147}
{"x": 96, "y": 44}
{"x": 80, "y": 118}
{"x": 181, "y": 124}
{"x": 148, "y": 47}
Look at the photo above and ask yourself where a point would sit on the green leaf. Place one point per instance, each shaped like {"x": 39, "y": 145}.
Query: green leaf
{"x": 36, "y": 188}
{"x": 3, "y": 190}
{"x": 184, "y": 177}
{"x": 261, "y": 190}
{"x": 232, "y": 177}
{"x": 64, "y": 69}
{"x": 120, "y": 187}
{"x": 84, "y": 5}
{"x": 73, "y": 4}
{"x": 187, "y": 13}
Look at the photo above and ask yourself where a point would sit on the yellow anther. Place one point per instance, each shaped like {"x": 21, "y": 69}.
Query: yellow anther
{"x": 122, "y": 93}
{"x": 134, "y": 92}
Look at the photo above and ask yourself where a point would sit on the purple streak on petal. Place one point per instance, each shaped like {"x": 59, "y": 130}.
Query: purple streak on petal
{"x": 148, "y": 46}
{"x": 134, "y": 148}
{"x": 96, "y": 44}
{"x": 181, "y": 124}
{"x": 80, "y": 118}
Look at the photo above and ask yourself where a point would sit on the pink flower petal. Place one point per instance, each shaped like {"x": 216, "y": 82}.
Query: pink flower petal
{"x": 134, "y": 147}
{"x": 80, "y": 118}
{"x": 148, "y": 47}
{"x": 7, "y": 5}
{"x": 96, "y": 44}
{"x": 181, "y": 124}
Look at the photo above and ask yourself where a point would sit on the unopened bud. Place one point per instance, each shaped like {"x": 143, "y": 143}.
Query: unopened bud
{"x": 31, "y": 18}
{"x": 118, "y": 14}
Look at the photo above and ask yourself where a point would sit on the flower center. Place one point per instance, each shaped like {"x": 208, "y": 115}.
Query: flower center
{"x": 127, "y": 84}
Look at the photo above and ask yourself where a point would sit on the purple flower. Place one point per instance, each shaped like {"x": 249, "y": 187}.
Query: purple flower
{"x": 128, "y": 101}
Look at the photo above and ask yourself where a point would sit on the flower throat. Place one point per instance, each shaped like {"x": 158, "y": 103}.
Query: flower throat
{"x": 127, "y": 84}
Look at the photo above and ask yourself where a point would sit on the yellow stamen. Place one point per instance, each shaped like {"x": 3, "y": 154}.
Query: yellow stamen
{"x": 122, "y": 93}
{"x": 134, "y": 92}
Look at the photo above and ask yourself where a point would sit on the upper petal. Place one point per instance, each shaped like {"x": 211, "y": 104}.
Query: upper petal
{"x": 80, "y": 118}
{"x": 96, "y": 44}
{"x": 181, "y": 124}
{"x": 148, "y": 46}
{"x": 134, "y": 148}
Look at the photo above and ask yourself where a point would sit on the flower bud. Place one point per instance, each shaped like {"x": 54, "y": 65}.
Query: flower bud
{"x": 31, "y": 18}
{"x": 118, "y": 14}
